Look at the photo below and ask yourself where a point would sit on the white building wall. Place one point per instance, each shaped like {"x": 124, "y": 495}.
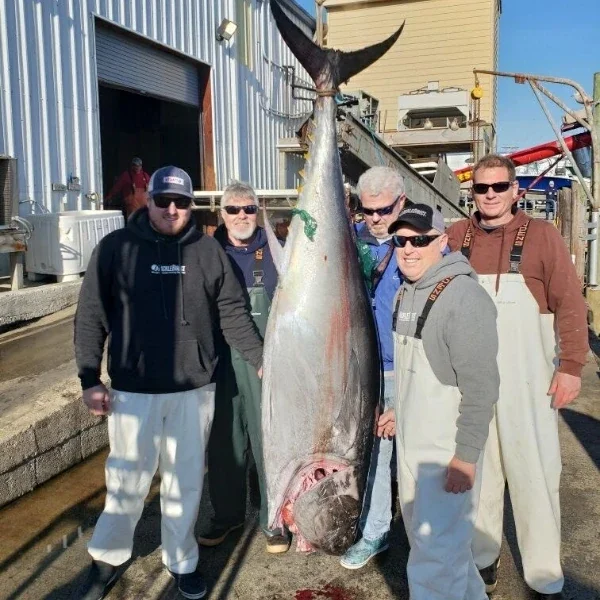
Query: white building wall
{"x": 49, "y": 110}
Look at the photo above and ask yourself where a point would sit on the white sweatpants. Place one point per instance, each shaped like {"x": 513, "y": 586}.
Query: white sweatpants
{"x": 146, "y": 431}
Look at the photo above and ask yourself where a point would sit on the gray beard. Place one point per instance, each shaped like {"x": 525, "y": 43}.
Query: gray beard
{"x": 243, "y": 235}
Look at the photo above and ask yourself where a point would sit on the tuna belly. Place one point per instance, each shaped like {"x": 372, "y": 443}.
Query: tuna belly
{"x": 322, "y": 506}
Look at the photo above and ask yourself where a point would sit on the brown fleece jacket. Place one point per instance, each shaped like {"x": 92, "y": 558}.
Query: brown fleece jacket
{"x": 548, "y": 272}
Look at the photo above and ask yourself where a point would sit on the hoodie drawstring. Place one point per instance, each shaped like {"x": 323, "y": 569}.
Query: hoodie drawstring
{"x": 183, "y": 320}
{"x": 162, "y": 287}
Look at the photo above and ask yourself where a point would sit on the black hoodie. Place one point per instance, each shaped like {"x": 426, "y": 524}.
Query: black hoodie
{"x": 165, "y": 302}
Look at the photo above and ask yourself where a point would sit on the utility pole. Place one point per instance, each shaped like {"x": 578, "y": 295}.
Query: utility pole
{"x": 596, "y": 125}
{"x": 593, "y": 293}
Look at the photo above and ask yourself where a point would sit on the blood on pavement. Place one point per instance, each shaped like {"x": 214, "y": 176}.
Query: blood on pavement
{"x": 329, "y": 592}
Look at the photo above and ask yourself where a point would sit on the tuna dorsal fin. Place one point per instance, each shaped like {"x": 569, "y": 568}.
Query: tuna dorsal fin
{"x": 327, "y": 67}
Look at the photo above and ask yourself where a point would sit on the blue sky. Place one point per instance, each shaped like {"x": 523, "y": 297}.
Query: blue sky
{"x": 544, "y": 38}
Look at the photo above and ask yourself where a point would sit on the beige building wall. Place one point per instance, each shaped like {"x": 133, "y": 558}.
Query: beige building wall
{"x": 443, "y": 40}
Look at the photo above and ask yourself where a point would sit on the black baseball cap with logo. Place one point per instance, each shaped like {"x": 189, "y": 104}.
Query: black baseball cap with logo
{"x": 419, "y": 216}
{"x": 171, "y": 180}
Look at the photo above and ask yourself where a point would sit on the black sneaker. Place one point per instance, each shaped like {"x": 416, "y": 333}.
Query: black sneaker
{"x": 278, "y": 543}
{"x": 99, "y": 578}
{"x": 216, "y": 534}
{"x": 555, "y": 596}
{"x": 190, "y": 585}
{"x": 490, "y": 576}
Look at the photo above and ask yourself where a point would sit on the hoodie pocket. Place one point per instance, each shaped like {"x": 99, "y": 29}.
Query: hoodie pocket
{"x": 183, "y": 366}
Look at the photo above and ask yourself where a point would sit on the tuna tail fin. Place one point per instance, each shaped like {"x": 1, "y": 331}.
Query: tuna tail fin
{"x": 327, "y": 67}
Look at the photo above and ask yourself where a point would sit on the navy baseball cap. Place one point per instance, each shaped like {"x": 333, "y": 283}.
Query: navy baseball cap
{"x": 420, "y": 216}
{"x": 170, "y": 180}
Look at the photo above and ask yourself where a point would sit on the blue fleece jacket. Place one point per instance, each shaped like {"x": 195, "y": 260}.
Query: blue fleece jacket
{"x": 384, "y": 294}
{"x": 243, "y": 260}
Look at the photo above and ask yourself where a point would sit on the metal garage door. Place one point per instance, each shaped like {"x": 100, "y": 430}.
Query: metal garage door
{"x": 127, "y": 62}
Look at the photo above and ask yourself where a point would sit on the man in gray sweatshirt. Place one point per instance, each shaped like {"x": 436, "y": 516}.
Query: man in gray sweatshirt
{"x": 445, "y": 347}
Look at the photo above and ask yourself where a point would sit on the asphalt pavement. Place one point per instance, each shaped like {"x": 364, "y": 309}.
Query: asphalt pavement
{"x": 43, "y": 552}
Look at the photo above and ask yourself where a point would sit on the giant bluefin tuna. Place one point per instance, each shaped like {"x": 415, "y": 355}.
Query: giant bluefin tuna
{"x": 321, "y": 381}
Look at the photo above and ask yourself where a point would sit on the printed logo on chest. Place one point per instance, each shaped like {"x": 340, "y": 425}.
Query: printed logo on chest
{"x": 167, "y": 269}
{"x": 407, "y": 316}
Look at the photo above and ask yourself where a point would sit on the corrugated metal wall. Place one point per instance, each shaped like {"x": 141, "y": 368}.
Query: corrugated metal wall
{"x": 49, "y": 115}
{"x": 124, "y": 61}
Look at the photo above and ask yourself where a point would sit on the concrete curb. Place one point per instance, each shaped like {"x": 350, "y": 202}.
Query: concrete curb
{"x": 32, "y": 457}
{"x": 46, "y": 433}
{"x": 32, "y": 303}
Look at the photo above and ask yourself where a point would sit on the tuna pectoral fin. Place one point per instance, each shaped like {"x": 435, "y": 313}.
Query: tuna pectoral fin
{"x": 327, "y": 67}
{"x": 327, "y": 515}
{"x": 277, "y": 250}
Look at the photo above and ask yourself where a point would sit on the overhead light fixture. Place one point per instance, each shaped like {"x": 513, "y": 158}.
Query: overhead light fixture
{"x": 428, "y": 124}
{"x": 226, "y": 30}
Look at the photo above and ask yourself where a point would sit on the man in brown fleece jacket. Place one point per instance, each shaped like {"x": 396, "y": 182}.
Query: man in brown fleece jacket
{"x": 524, "y": 265}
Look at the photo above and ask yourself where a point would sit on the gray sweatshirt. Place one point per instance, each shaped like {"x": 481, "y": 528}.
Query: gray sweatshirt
{"x": 460, "y": 343}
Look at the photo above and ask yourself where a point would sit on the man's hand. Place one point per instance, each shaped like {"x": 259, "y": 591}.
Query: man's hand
{"x": 97, "y": 399}
{"x": 565, "y": 388}
{"x": 460, "y": 476}
{"x": 386, "y": 425}
{"x": 260, "y": 373}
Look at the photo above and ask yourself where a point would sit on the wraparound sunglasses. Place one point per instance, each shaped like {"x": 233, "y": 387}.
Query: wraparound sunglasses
{"x": 180, "y": 202}
{"x": 250, "y": 209}
{"x": 416, "y": 241}
{"x": 498, "y": 187}
{"x": 386, "y": 210}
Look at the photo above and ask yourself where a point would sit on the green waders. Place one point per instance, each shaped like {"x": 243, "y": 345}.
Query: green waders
{"x": 237, "y": 421}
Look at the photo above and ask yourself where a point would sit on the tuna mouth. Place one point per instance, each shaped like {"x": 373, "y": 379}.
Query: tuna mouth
{"x": 322, "y": 505}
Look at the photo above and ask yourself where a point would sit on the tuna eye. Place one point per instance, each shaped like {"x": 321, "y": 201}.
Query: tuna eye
{"x": 319, "y": 474}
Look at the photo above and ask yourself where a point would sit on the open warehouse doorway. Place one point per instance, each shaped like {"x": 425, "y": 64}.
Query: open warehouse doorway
{"x": 154, "y": 104}
{"x": 159, "y": 132}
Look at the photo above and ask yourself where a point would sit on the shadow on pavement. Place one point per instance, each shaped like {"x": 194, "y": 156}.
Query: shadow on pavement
{"x": 587, "y": 430}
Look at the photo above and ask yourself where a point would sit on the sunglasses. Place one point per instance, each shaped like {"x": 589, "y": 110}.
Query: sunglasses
{"x": 416, "y": 241}
{"x": 386, "y": 210}
{"x": 250, "y": 209}
{"x": 498, "y": 187}
{"x": 180, "y": 202}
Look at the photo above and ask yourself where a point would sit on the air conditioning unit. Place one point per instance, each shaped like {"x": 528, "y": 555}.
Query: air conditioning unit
{"x": 61, "y": 243}
{"x": 9, "y": 192}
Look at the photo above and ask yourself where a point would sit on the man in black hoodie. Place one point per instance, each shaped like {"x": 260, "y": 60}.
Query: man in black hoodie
{"x": 237, "y": 424}
{"x": 163, "y": 294}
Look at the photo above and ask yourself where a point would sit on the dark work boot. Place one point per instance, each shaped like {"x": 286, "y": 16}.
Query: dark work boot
{"x": 216, "y": 534}
{"x": 190, "y": 585}
{"x": 99, "y": 578}
{"x": 490, "y": 576}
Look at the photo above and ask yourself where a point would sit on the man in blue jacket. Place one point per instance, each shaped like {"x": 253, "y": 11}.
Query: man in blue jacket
{"x": 237, "y": 424}
{"x": 163, "y": 294}
{"x": 382, "y": 197}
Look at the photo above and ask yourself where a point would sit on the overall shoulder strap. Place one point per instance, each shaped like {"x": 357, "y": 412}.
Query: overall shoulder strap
{"x": 516, "y": 253}
{"x": 257, "y": 269}
{"x": 466, "y": 244}
{"x": 379, "y": 270}
{"x": 435, "y": 294}
{"x": 397, "y": 308}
